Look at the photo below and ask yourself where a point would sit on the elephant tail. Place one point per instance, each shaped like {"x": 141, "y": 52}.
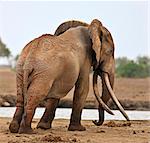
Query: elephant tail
{"x": 26, "y": 82}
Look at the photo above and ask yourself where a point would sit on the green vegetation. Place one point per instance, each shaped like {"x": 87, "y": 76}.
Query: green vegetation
{"x": 4, "y": 51}
{"x": 133, "y": 68}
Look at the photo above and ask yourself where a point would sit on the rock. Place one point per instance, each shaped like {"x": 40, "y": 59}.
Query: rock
{"x": 100, "y": 131}
{"x": 6, "y": 104}
{"x": 50, "y": 138}
{"x": 134, "y": 132}
{"x": 111, "y": 124}
{"x": 11, "y": 99}
{"x": 116, "y": 124}
{"x": 1, "y": 101}
{"x": 74, "y": 140}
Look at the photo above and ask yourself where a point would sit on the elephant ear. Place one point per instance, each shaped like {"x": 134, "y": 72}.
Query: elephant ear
{"x": 95, "y": 34}
{"x": 108, "y": 37}
{"x": 67, "y": 25}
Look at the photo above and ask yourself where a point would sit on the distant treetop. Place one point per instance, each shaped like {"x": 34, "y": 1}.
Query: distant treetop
{"x": 4, "y": 51}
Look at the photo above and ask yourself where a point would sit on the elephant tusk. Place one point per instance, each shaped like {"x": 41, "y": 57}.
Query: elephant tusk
{"x": 112, "y": 94}
{"x": 97, "y": 95}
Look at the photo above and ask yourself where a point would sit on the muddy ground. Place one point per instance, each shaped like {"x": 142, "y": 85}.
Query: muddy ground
{"x": 134, "y": 94}
{"x": 110, "y": 132}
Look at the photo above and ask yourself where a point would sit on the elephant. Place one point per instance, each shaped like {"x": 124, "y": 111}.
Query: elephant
{"x": 50, "y": 103}
{"x": 56, "y": 63}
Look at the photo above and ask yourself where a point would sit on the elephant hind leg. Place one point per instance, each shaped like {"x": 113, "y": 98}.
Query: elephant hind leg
{"x": 15, "y": 123}
{"x": 49, "y": 114}
{"x": 37, "y": 91}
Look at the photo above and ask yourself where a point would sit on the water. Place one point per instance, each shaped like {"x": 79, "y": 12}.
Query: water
{"x": 88, "y": 114}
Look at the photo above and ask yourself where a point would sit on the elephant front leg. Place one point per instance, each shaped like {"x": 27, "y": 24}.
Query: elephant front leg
{"x": 80, "y": 94}
{"x": 49, "y": 114}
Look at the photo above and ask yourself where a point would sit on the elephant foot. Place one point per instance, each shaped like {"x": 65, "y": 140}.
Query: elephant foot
{"x": 44, "y": 125}
{"x": 26, "y": 130}
{"x": 14, "y": 126}
{"x": 74, "y": 127}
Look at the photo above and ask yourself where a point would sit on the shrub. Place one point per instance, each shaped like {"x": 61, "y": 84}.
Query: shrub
{"x": 130, "y": 68}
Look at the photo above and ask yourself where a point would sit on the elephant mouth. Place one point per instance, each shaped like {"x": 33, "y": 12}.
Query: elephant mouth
{"x": 112, "y": 95}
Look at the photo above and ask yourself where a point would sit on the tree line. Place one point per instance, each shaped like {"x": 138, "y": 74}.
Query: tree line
{"x": 4, "y": 51}
{"x": 138, "y": 68}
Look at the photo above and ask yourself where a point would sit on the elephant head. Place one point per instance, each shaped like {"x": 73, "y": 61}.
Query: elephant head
{"x": 104, "y": 66}
{"x": 103, "y": 63}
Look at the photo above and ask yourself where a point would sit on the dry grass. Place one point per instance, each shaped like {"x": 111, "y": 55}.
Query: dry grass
{"x": 128, "y": 90}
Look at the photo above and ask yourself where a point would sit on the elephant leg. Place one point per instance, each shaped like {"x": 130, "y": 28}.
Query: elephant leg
{"x": 80, "y": 94}
{"x": 15, "y": 123}
{"x": 49, "y": 114}
{"x": 33, "y": 98}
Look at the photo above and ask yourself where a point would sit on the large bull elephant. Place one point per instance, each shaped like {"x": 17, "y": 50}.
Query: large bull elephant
{"x": 55, "y": 64}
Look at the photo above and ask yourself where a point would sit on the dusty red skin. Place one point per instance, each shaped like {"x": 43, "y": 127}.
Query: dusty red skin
{"x": 51, "y": 65}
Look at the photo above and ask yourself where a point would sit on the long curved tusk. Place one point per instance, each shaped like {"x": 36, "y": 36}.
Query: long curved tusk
{"x": 97, "y": 95}
{"x": 114, "y": 97}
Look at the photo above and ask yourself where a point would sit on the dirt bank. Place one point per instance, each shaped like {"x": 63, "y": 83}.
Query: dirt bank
{"x": 110, "y": 132}
{"x": 134, "y": 94}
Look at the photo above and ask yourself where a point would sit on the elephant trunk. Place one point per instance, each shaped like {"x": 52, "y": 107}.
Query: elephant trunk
{"x": 105, "y": 95}
{"x": 96, "y": 93}
{"x": 102, "y": 105}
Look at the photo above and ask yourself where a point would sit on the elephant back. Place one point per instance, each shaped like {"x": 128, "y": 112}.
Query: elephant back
{"x": 67, "y": 25}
